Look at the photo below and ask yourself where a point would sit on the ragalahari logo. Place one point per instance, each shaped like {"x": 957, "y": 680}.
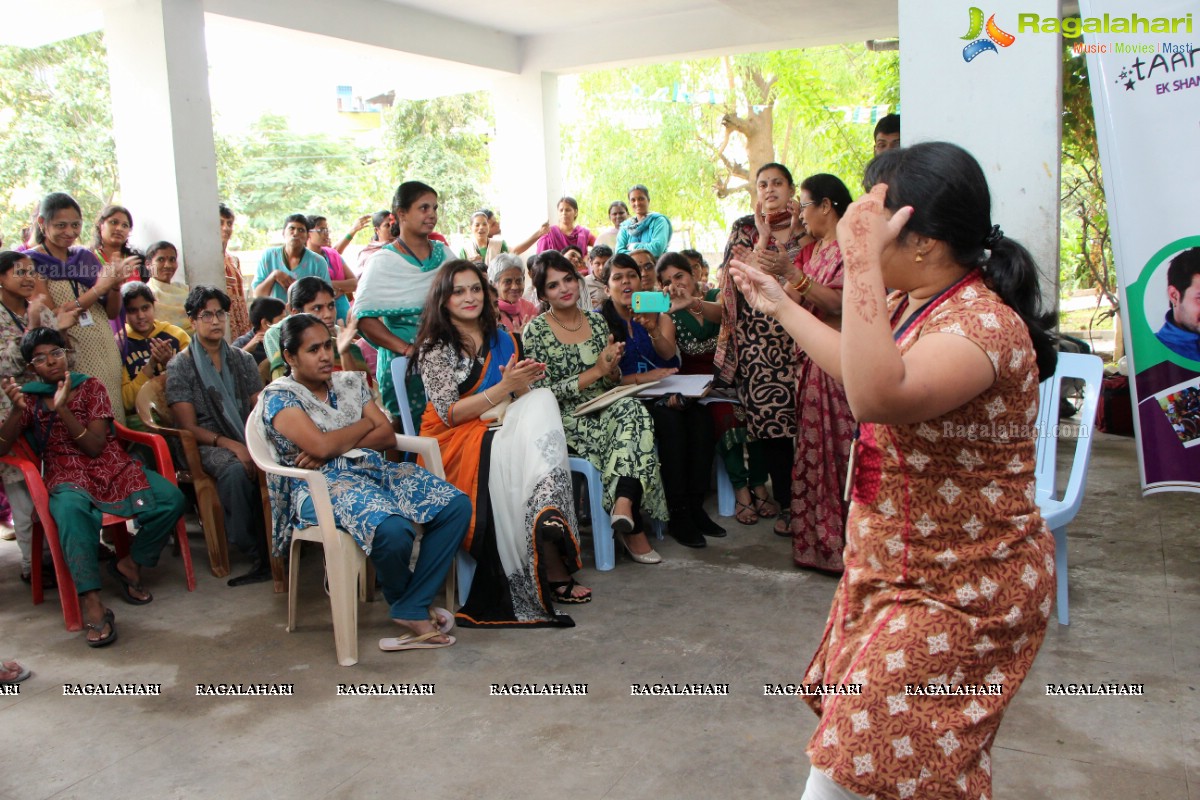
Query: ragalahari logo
{"x": 995, "y": 36}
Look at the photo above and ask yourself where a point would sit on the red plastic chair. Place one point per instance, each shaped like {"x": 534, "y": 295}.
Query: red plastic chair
{"x": 23, "y": 458}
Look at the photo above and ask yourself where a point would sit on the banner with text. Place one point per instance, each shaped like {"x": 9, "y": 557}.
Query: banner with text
{"x": 1144, "y": 70}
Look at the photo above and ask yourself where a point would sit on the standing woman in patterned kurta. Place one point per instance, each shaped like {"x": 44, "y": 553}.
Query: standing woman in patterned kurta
{"x": 816, "y": 518}
{"x": 315, "y": 418}
{"x": 74, "y": 278}
{"x": 393, "y": 288}
{"x": 754, "y": 354}
{"x": 583, "y": 362}
{"x": 949, "y": 566}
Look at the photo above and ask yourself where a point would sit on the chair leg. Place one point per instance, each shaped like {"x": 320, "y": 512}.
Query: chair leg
{"x": 466, "y": 573}
{"x": 602, "y": 532}
{"x": 366, "y": 582}
{"x": 1060, "y": 573}
{"x": 212, "y": 522}
{"x": 185, "y": 550}
{"x": 293, "y": 583}
{"x": 67, "y": 596}
{"x": 725, "y": 496}
{"x": 343, "y": 560}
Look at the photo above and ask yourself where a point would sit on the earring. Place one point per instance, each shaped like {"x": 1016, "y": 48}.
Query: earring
{"x": 918, "y": 258}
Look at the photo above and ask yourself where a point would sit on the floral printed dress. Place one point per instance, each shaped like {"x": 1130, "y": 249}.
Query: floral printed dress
{"x": 365, "y": 489}
{"x": 619, "y": 440}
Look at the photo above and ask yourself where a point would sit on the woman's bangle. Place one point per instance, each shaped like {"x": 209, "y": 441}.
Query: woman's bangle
{"x": 485, "y": 397}
{"x": 803, "y": 285}
{"x": 3, "y": 440}
{"x": 216, "y": 438}
{"x": 82, "y": 433}
{"x": 349, "y": 237}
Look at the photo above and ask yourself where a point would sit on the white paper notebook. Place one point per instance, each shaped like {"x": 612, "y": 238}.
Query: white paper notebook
{"x": 686, "y": 385}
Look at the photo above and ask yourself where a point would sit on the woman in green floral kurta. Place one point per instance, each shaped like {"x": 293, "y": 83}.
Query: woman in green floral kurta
{"x": 617, "y": 440}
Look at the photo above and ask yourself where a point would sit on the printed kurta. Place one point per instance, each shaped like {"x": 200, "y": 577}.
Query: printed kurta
{"x": 824, "y": 433}
{"x": 12, "y": 328}
{"x": 754, "y": 353}
{"x": 364, "y": 488}
{"x": 949, "y": 576}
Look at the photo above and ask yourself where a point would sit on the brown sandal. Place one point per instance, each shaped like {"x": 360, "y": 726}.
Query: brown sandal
{"x": 745, "y": 514}
{"x": 765, "y": 507}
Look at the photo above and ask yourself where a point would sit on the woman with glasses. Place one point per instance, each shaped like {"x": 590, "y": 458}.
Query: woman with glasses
{"x": 340, "y": 277}
{"x": 88, "y": 473}
{"x": 212, "y": 388}
{"x": 75, "y": 280}
{"x": 23, "y": 311}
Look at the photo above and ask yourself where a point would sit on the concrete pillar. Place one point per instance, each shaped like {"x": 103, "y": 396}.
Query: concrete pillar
{"x": 1004, "y": 106}
{"x": 525, "y": 155}
{"x": 162, "y": 124}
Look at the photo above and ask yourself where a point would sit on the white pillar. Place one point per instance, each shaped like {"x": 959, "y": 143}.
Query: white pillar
{"x": 162, "y": 124}
{"x": 525, "y": 155}
{"x": 1004, "y": 106}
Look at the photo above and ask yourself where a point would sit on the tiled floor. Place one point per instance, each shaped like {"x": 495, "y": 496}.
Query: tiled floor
{"x": 735, "y": 613}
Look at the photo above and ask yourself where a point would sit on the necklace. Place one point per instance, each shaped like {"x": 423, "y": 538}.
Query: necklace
{"x": 563, "y": 326}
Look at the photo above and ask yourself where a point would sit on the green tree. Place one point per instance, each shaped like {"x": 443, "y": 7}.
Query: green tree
{"x": 1086, "y": 245}
{"x": 55, "y": 128}
{"x": 696, "y": 131}
{"x": 274, "y": 172}
{"x": 442, "y": 142}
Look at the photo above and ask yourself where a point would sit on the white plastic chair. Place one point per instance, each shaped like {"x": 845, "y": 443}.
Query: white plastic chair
{"x": 346, "y": 565}
{"x": 1059, "y": 511}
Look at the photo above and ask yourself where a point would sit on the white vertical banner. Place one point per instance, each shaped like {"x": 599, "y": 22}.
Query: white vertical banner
{"x": 1144, "y": 70}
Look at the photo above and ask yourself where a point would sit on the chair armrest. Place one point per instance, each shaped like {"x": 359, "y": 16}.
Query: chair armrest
{"x": 318, "y": 488}
{"x": 27, "y": 469}
{"x": 427, "y": 448}
{"x": 157, "y": 444}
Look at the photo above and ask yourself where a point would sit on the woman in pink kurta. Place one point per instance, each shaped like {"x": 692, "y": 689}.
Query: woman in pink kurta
{"x": 949, "y": 568}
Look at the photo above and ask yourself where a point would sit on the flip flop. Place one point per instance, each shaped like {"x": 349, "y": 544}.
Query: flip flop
{"x": 126, "y": 585}
{"x": 110, "y": 619}
{"x": 411, "y": 641}
{"x": 22, "y": 672}
{"x": 442, "y": 618}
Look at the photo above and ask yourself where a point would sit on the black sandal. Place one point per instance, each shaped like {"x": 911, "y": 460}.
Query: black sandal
{"x": 127, "y": 585}
{"x": 565, "y": 597}
{"x": 110, "y": 619}
{"x": 744, "y": 507}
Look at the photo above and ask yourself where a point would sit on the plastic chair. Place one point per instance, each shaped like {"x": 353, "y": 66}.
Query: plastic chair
{"x": 23, "y": 458}
{"x": 602, "y": 533}
{"x": 346, "y": 565}
{"x": 155, "y": 413}
{"x": 1059, "y": 511}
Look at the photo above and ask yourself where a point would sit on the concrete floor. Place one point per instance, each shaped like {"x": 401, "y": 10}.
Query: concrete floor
{"x": 735, "y": 613}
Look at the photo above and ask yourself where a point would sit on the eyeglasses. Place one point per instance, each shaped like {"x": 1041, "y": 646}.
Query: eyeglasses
{"x": 212, "y": 316}
{"x": 321, "y": 231}
{"x": 57, "y": 353}
{"x": 809, "y": 203}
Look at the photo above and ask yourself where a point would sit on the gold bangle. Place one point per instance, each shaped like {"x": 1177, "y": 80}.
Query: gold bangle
{"x": 3, "y": 440}
{"x": 82, "y": 433}
{"x": 485, "y": 397}
{"x": 803, "y": 285}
